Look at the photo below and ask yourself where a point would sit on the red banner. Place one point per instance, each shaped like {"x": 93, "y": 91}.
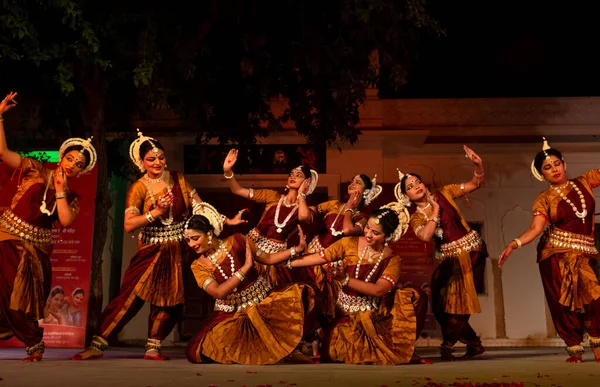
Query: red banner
{"x": 66, "y": 307}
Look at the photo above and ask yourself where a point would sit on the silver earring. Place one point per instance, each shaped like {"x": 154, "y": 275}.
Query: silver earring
{"x": 287, "y": 188}
{"x": 209, "y": 238}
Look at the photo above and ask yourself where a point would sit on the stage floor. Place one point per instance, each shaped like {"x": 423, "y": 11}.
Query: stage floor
{"x": 123, "y": 367}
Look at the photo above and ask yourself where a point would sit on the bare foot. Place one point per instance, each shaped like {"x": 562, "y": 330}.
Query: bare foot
{"x": 596, "y": 351}
{"x": 153, "y": 354}
{"x": 574, "y": 359}
{"x": 89, "y": 354}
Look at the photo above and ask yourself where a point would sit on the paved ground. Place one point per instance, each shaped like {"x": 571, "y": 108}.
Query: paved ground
{"x": 123, "y": 367}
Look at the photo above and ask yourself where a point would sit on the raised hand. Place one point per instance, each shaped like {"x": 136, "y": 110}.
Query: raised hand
{"x": 230, "y": 160}
{"x": 249, "y": 257}
{"x": 60, "y": 180}
{"x": 354, "y": 200}
{"x": 8, "y": 102}
{"x": 237, "y": 219}
{"x": 472, "y": 156}
{"x": 302, "y": 245}
{"x": 431, "y": 200}
{"x": 305, "y": 186}
{"x": 164, "y": 202}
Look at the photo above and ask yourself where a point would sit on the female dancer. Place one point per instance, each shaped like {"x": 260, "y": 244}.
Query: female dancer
{"x": 43, "y": 197}
{"x": 159, "y": 204}
{"x": 461, "y": 253}
{"x": 566, "y": 252}
{"x": 377, "y": 323}
{"x": 253, "y": 324}
{"x": 282, "y": 213}
{"x": 339, "y": 220}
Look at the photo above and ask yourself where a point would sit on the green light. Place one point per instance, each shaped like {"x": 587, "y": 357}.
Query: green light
{"x": 44, "y": 155}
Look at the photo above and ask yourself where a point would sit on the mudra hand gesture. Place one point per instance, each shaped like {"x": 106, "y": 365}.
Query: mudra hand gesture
{"x": 237, "y": 219}
{"x": 472, "y": 156}
{"x": 302, "y": 245}
{"x": 164, "y": 202}
{"x": 353, "y": 201}
{"x": 249, "y": 258}
{"x": 230, "y": 160}
{"x": 8, "y": 103}
{"x": 60, "y": 180}
{"x": 305, "y": 186}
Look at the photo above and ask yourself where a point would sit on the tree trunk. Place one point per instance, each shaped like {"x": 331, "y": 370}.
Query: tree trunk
{"x": 94, "y": 115}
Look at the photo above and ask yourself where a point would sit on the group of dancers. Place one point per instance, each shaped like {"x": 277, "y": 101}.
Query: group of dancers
{"x": 339, "y": 289}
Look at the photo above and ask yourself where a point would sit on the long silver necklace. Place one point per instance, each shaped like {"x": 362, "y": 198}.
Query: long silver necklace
{"x": 165, "y": 178}
{"x": 360, "y": 259}
{"x": 332, "y": 229}
{"x": 581, "y": 215}
{"x": 213, "y": 259}
{"x": 43, "y": 207}
{"x": 281, "y": 225}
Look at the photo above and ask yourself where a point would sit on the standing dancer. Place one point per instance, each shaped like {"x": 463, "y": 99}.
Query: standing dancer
{"x": 282, "y": 213}
{"x": 566, "y": 252}
{"x": 158, "y": 203}
{"x": 43, "y": 198}
{"x": 461, "y": 253}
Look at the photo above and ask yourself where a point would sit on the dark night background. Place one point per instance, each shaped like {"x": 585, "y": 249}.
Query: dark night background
{"x": 507, "y": 49}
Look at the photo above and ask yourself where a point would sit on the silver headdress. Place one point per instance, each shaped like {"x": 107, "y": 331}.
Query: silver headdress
{"x": 314, "y": 176}
{"x": 403, "y": 220}
{"x": 402, "y": 198}
{"x": 371, "y": 194}
{"x": 534, "y": 171}
{"x": 86, "y": 145}
{"x": 209, "y": 212}
{"x": 134, "y": 149}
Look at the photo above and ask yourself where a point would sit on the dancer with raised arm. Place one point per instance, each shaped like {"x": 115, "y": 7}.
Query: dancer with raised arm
{"x": 42, "y": 199}
{"x": 282, "y": 213}
{"x": 460, "y": 251}
{"x": 253, "y": 323}
{"x": 566, "y": 253}
{"x": 376, "y": 323}
{"x": 158, "y": 204}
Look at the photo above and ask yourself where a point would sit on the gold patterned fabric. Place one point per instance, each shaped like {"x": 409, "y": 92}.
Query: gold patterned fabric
{"x": 262, "y": 332}
{"x": 459, "y": 242}
{"x": 572, "y": 239}
{"x": 370, "y": 331}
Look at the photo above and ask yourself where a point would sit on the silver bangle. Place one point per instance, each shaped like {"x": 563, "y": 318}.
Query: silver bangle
{"x": 230, "y": 176}
{"x": 518, "y": 242}
{"x": 289, "y": 264}
{"x": 346, "y": 280}
{"x": 477, "y": 175}
{"x": 149, "y": 217}
{"x": 239, "y": 275}
{"x": 433, "y": 219}
{"x": 293, "y": 253}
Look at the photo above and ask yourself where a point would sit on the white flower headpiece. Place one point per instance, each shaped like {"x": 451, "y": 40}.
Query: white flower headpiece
{"x": 314, "y": 179}
{"x": 371, "y": 194}
{"x": 403, "y": 219}
{"x": 402, "y": 198}
{"x": 86, "y": 145}
{"x": 534, "y": 171}
{"x": 215, "y": 219}
{"x": 134, "y": 149}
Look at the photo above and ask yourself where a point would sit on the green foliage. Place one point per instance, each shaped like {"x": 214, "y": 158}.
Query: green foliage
{"x": 216, "y": 64}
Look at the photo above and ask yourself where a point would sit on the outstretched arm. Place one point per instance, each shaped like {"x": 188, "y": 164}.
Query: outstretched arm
{"x": 11, "y": 158}
{"x": 477, "y": 179}
{"x": 286, "y": 255}
{"x": 378, "y": 289}
{"x": 234, "y": 186}
{"x": 536, "y": 228}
